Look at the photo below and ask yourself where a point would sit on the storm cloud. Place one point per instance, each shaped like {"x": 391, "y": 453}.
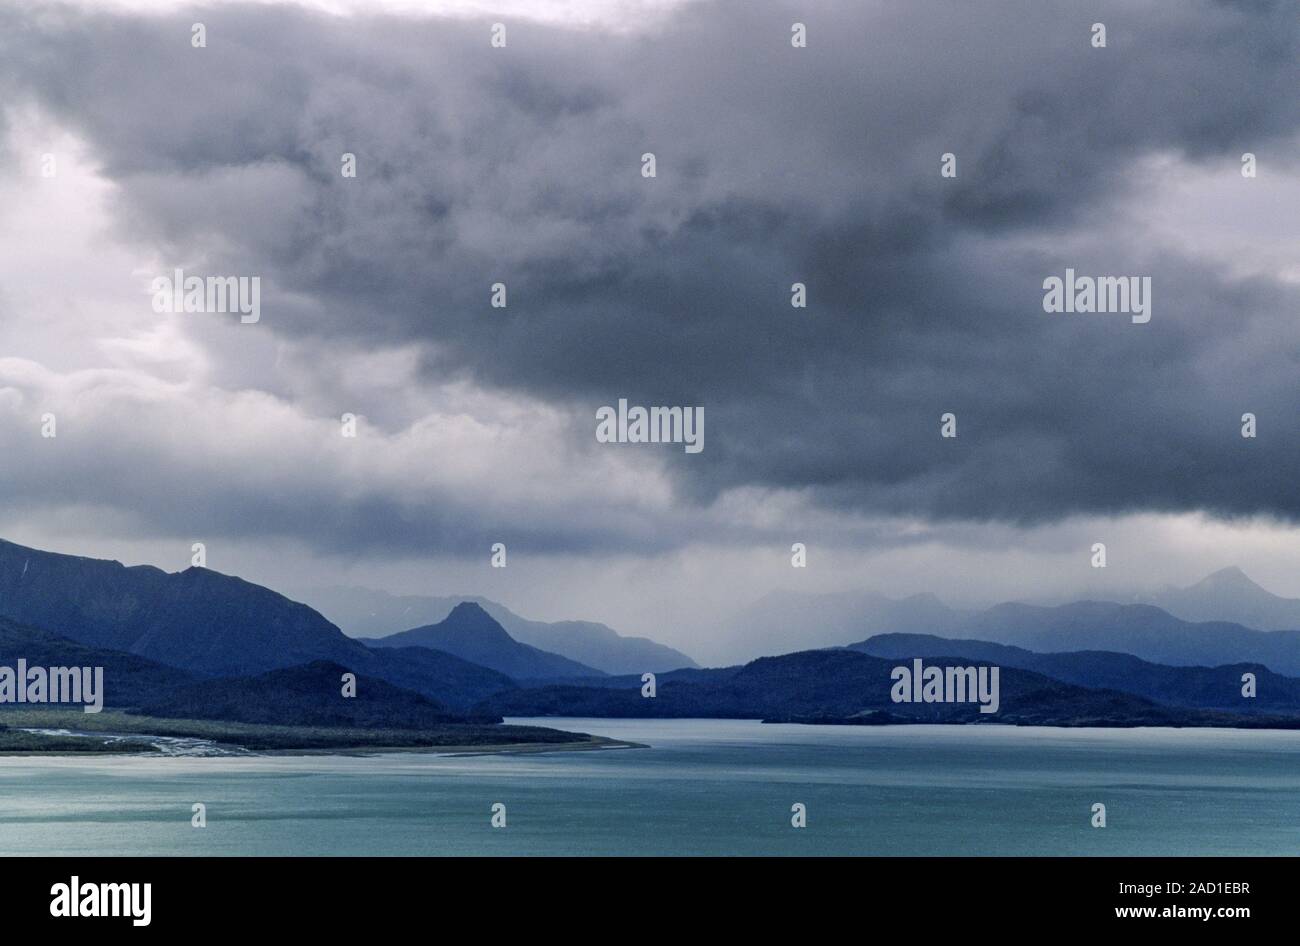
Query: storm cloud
{"x": 775, "y": 165}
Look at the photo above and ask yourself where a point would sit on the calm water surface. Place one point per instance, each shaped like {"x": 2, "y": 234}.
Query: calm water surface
{"x": 704, "y": 787}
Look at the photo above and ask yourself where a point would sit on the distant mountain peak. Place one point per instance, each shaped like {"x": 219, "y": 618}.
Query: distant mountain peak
{"x": 471, "y": 633}
{"x": 1230, "y": 577}
{"x": 470, "y": 616}
{"x": 369, "y": 614}
{"x": 1231, "y": 595}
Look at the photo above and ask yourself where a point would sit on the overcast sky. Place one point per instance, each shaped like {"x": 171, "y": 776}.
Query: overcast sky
{"x": 775, "y": 165}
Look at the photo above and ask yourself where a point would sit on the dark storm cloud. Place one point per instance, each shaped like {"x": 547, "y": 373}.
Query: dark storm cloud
{"x": 775, "y": 165}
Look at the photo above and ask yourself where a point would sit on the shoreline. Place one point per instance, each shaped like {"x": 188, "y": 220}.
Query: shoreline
{"x": 62, "y": 734}
{"x": 138, "y": 740}
{"x": 29, "y": 733}
{"x": 512, "y": 748}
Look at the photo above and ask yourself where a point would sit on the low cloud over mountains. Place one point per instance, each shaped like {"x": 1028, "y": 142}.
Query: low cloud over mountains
{"x": 775, "y": 165}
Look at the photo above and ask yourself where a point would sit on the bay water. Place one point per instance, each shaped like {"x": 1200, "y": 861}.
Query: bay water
{"x": 719, "y": 787}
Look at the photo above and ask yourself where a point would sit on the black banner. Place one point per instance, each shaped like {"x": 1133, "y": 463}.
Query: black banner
{"x": 336, "y": 895}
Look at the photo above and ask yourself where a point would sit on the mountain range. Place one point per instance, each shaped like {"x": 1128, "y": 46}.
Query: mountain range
{"x": 369, "y": 614}
{"x": 157, "y": 630}
{"x": 201, "y": 644}
{"x": 471, "y": 633}
{"x": 1143, "y": 630}
{"x": 216, "y": 625}
{"x": 782, "y": 621}
{"x": 1217, "y": 687}
{"x": 1229, "y": 595}
{"x": 841, "y": 685}
{"x": 197, "y": 619}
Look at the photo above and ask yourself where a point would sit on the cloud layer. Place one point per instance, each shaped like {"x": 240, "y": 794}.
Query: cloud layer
{"x": 775, "y": 165}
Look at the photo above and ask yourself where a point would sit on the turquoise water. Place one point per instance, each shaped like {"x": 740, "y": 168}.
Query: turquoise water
{"x": 704, "y": 787}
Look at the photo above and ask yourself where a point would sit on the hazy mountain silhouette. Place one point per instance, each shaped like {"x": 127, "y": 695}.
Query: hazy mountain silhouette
{"x": 785, "y": 621}
{"x": 1205, "y": 687}
{"x": 590, "y": 643}
{"x": 471, "y": 633}
{"x": 369, "y": 614}
{"x": 1141, "y": 630}
{"x": 846, "y": 686}
{"x": 1230, "y": 595}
